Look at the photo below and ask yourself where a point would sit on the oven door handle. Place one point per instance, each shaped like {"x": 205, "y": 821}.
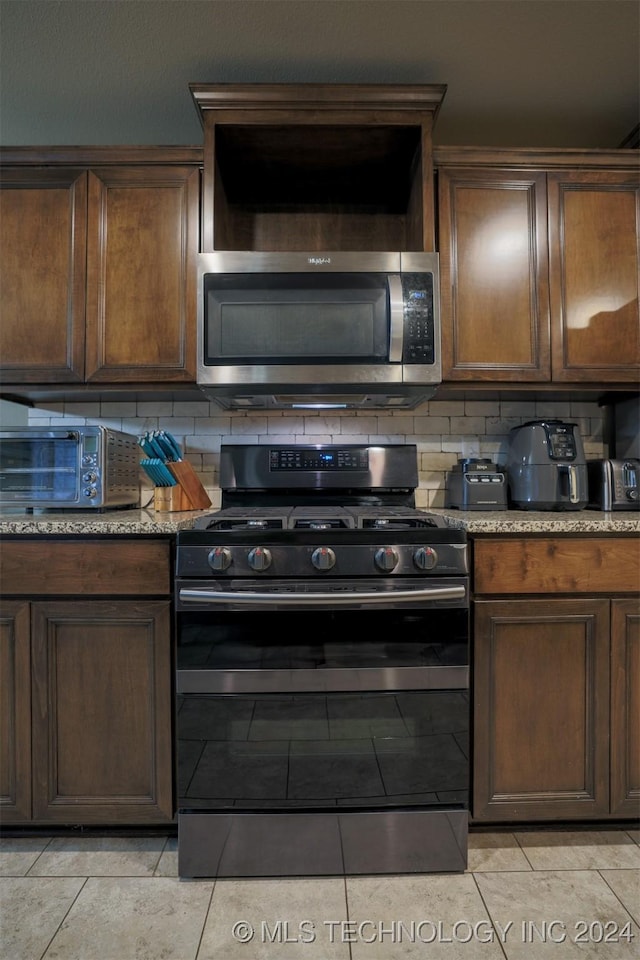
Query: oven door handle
{"x": 213, "y": 597}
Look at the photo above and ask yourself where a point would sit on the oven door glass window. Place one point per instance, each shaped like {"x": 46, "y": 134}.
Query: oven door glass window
{"x": 360, "y": 639}
{"x": 323, "y": 750}
{"x": 39, "y": 469}
{"x": 352, "y": 709}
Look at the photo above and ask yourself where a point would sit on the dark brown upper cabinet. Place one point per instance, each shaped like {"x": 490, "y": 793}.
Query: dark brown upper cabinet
{"x": 594, "y": 255}
{"x": 539, "y": 255}
{"x": 98, "y": 249}
{"x": 318, "y": 166}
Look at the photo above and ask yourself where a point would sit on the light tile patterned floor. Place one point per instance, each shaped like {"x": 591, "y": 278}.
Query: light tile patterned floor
{"x": 526, "y": 895}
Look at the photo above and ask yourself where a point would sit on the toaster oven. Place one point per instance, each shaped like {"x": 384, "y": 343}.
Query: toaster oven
{"x": 73, "y": 467}
{"x": 614, "y": 484}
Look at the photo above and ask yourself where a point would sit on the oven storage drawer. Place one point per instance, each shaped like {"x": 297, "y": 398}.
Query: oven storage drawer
{"x": 322, "y": 844}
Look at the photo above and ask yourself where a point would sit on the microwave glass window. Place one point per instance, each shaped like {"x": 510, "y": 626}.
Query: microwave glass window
{"x": 284, "y": 318}
{"x": 39, "y": 469}
{"x": 300, "y": 330}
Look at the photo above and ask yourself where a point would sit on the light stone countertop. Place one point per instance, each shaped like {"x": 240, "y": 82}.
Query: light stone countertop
{"x": 151, "y": 522}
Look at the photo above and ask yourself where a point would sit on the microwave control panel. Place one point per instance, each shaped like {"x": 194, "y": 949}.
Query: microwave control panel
{"x": 419, "y": 320}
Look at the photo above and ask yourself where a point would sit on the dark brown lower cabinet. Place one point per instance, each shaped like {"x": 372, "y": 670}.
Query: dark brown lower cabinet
{"x": 15, "y": 711}
{"x": 101, "y": 691}
{"x": 86, "y": 715}
{"x": 541, "y": 708}
{"x": 556, "y": 709}
{"x": 86, "y": 705}
{"x": 625, "y": 708}
{"x": 556, "y": 677}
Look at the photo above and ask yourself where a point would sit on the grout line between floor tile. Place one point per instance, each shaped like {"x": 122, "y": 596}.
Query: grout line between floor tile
{"x": 346, "y": 907}
{"x": 44, "y": 850}
{"x": 484, "y": 904}
{"x": 43, "y": 955}
{"x": 524, "y": 852}
{"x": 624, "y": 907}
{"x": 206, "y": 918}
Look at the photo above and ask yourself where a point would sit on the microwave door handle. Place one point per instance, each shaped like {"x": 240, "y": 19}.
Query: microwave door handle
{"x": 396, "y": 317}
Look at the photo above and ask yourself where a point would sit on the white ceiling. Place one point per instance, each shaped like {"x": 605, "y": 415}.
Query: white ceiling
{"x": 540, "y": 73}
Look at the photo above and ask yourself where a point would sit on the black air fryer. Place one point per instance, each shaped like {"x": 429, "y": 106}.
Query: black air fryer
{"x": 546, "y": 466}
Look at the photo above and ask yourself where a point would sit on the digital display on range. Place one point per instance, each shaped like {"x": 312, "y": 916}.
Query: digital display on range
{"x": 303, "y": 458}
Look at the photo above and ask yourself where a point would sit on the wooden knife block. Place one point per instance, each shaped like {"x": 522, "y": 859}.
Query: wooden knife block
{"x": 187, "y": 494}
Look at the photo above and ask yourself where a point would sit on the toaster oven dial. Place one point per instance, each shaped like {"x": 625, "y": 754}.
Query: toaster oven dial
{"x": 386, "y": 559}
{"x": 219, "y": 558}
{"x": 89, "y": 477}
{"x": 259, "y": 558}
{"x": 425, "y": 558}
{"x": 90, "y": 492}
{"x": 323, "y": 558}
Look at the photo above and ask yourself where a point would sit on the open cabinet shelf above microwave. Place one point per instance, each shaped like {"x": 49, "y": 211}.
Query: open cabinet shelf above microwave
{"x": 318, "y": 166}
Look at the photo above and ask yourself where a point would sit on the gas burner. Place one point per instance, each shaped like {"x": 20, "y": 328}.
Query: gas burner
{"x": 411, "y": 520}
{"x": 243, "y": 519}
{"x": 330, "y": 523}
{"x": 257, "y": 526}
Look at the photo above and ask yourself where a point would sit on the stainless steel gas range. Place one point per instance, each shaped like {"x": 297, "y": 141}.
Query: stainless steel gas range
{"x": 322, "y": 679}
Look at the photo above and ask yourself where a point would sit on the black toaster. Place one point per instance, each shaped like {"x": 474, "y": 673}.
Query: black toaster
{"x": 476, "y": 484}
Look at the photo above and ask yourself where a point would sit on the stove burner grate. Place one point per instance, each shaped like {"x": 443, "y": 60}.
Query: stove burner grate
{"x": 397, "y": 523}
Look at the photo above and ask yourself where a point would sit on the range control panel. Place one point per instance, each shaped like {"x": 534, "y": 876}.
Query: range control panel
{"x": 310, "y": 458}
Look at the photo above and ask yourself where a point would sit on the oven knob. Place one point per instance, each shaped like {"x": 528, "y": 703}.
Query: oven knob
{"x": 219, "y": 558}
{"x": 323, "y": 558}
{"x": 386, "y": 559}
{"x": 259, "y": 558}
{"x": 425, "y": 558}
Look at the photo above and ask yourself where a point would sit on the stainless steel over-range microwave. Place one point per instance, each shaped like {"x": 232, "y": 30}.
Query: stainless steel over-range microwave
{"x": 296, "y": 330}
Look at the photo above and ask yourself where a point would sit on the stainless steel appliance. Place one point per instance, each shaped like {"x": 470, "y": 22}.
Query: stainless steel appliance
{"x": 622, "y": 422}
{"x": 546, "y": 467}
{"x": 614, "y": 484}
{"x": 476, "y": 484}
{"x": 322, "y": 670}
{"x": 297, "y": 330}
{"x": 74, "y": 467}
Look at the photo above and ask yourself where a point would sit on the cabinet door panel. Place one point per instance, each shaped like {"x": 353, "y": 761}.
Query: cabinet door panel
{"x": 102, "y": 711}
{"x": 43, "y": 214}
{"x": 15, "y": 712}
{"x": 625, "y": 708}
{"x": 493, "y": 264}
{"x": 541, "y": 713}
{"x": 594, "y": 256}
{"x": 141, "y": 294}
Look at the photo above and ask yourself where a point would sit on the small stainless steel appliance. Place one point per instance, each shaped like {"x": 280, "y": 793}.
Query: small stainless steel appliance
{"x": 296, "y": 330}
{"x": 622, "y": 425}
{"x": 546, "y": 467}
{"x": 72, "y": 468}
{"x": 614, "y": 484}
{"x": 476, "y": 484}
{"x": 322, "y": 670}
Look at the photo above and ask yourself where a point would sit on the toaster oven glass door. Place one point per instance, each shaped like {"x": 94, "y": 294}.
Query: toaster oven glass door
{"x": 38, "y": 469}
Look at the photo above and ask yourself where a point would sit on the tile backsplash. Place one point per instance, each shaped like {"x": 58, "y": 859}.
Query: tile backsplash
{"x": 443, "y": 431}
